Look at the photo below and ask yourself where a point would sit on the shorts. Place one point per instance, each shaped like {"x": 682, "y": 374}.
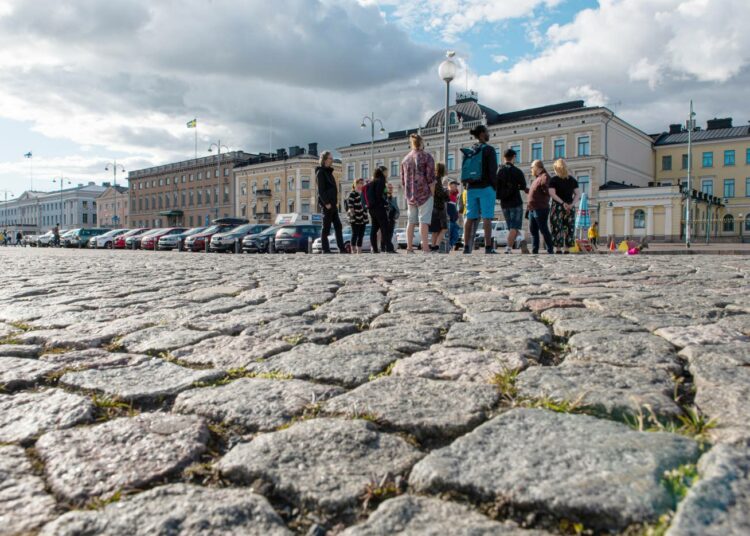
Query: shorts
{"x": 421, "y": 214}
{"x": 480, "y": 201}
{"x": 513, "y": 217}
{"x": 439, "y": 221}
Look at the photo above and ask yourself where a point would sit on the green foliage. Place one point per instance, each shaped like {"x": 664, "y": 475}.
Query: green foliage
{"x": 23, "y": 326}
{"x": 692, "y": 423}
{"x": 110, "y": 407}
{"x": 678, "y": 481}
{"x": 506, "y": 382}
{"x": 99, "y": 503}
{"x": 10, "y": 339}
{"x": 377, "y": 491}
{"x": 570, "y": 527}
{"x": 115, "y": 345}
{"x": 557, "y": 405}
{"x": 387, "y": 372}
{"x": 294, "y": 340}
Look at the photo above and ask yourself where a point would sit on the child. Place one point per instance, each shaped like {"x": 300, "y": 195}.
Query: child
{"x": 593, "y": 234}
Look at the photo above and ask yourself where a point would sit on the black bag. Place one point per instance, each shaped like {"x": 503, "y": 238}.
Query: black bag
{"x": 506, "y": 189}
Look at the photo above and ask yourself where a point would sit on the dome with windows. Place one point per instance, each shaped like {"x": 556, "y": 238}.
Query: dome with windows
{"x": 467, "y": 108}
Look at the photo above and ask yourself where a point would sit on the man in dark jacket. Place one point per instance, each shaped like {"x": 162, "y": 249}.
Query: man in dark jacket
{"x": 328, "y": 201}
{"x": 512, "y": 205}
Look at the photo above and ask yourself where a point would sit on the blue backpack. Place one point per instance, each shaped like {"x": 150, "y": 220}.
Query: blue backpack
{"x": 471, "y": 168}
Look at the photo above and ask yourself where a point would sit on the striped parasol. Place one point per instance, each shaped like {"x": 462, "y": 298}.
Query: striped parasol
{"x": 583, "y": 216}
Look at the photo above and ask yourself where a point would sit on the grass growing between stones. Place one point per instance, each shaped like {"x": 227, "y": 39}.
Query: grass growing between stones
{"x": 310, "y": 411}
{"x": 506, "y": 382}
{"x": 115, "y": 345}
{"x": 97, "y": 503}
{"x": 693, "y": 423}
{"x": 377, "y": 491}
{"x": 10, "y": 339}
{"x": 387, "y": 372}
{"x": 110, "y": 408}
{"x": 23, "y": 326}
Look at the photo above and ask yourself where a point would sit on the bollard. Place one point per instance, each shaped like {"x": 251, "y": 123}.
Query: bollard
{"x": 180, "y": 245}
{"x": 207, "y": 242}
{"x": 238, "y": 246}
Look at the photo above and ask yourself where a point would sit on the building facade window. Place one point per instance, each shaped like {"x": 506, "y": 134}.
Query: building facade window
{"x": 191, "y": 198}
{"x": 684, "y": 161}
{"x": 161, "y": 182}
{"x": 728, "y": 223}
{"x": 243, "y": 189}
{"x": 226, "y": 172}
{"x": 584, "y": 146}
{"x": 536, "y": 150}
{"x": 584, "y": 184}
{"x": 199, "y": 198}
{"x": 728, "y": 187}
{"x": 451, "y": 162}
{"x": 350, "y": 172}
{"x": 639, "y": 219}
{"x": 84, "y": 218}
{"x": 305, "y": 207}
{"x": 728, "y": 158}
{"x": 290, "y": 184}
{"x": 707, "y": 186}
{"x": 394, "y": 169}
{"x": 666, "y": 163}
{"x": 517, "y": 149}
{"x": 305, "y": 183}
{"x": 747, "y": 187}
{"x": 708, "y": 159}
{"x": 226, "y": 193}
{"x": 747, "y": 156}
{"x": 364, "y": 171}
{"x": 559, "y": 149}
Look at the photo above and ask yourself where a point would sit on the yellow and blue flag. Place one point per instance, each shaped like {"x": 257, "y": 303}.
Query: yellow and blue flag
{"x": 192, "y": 124}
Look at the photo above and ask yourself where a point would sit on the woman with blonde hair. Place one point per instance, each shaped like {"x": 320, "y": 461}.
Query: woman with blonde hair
{"x": 563, "y": 190}
{"x": 538, "y": 207}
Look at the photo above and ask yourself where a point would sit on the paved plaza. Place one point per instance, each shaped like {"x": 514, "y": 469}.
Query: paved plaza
{"x": 175, "y": 393}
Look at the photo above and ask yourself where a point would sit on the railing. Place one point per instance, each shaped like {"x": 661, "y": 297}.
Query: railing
{"x": 454, "y": 126}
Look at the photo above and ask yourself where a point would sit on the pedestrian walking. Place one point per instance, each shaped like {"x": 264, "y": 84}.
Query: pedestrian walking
{"x": 480, "y": 192}
{"x": 378, "y": 206}
{"x": 358, "y": 219}
{"x": 593, "y": 235}
{"x": 418, "y": 180}
{"x": 394, "y": 213}
{"x": 439, "y": 223}
{"x": 454, "y": 228}
{"x": 563, "y": 189}
{"x": 56, "y": 235}
{"x": 510, "y": 183}
{"x": 19, "y": 238}
{"x": 538, "y": 207}
{"x": 328, "y": 201}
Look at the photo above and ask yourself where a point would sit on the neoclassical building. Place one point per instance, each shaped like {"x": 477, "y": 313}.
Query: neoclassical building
{"x": 598, "y": 146}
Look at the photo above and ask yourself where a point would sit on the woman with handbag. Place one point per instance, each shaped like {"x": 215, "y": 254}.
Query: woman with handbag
{"x": 538, "y": 207}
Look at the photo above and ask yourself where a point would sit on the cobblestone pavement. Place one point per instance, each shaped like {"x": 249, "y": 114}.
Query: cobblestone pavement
{"x": 166, "y": 393}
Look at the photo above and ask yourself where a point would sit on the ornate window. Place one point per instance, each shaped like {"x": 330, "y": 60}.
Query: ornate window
{"x": 639, "y": 219}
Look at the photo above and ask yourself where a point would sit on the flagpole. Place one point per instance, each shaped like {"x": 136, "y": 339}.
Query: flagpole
{"x": 196, "y": 138}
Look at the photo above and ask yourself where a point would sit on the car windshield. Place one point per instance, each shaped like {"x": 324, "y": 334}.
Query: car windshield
{"x": 109, "y": 233}
{"x": 243, "y": 228}
{"x": 152, "y": 232}
{"x": 194, "y": 230}
{"x": 213, "y": 229}
{"x": 270, "y": 230}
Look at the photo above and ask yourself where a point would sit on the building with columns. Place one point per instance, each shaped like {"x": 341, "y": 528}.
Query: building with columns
{"x": 38, "y": 212}
{"x": 282, "y": 185}
{"x": 112, "y": 207}
{"x": 598, "y": 146}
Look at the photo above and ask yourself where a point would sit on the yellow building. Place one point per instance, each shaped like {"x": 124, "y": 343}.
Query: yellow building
{"x": 719, "y": 188}
{"x": 283, "y": 185}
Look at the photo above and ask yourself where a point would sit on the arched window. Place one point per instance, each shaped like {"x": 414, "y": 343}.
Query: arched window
{"x": 747, "y": 224}
{"x": 265, "y": 184}
{"x": 244, "y": 210}
{"x": 278, "y": 208}
{"x": 639, "y": 219}
{"x": 728, "y": 223}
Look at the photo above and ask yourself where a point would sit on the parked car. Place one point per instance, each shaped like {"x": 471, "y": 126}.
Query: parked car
{"x": 401, "y": 237}
{"x": 107, "y": 240}
{"x": 226, "y": 241}
{"x": 151, "y": 240}
{"x": 134, "y": 242}
{"x": 174, "y": 241}
{"x": 499, "y": 235}
{"x": 260, "y": 243}
{"x": 317, "y": 246}
{"x": 42, "y": 241}
{"x": 295, "y": 238}
{"x": 31, "y": 240}
{"x": 79, "y": 238}
{"x": 120, "y": 242}
{"x": 197, "y": 242}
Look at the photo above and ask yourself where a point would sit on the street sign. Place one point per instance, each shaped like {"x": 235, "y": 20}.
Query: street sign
{"x": 115, "y": 220}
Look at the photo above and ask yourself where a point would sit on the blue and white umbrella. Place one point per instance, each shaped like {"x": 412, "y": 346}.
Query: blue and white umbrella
{"x": 583, "y": 216}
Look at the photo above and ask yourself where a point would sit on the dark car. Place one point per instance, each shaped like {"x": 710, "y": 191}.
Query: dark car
{"x": 80, "y": 237}
{"x": 259, "y": 243}
{"x": 227, "y": 241}
{"x": 197, "y": 242}
{"x": 135, "y": 241}
{"x": 295, "y": 238}
{"x": 152, "y": 240}
{"x": 177, "y": 241}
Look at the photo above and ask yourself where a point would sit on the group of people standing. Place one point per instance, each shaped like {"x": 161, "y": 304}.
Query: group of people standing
{"x": 435, "y": 203}
{"x": 6, "y": 238}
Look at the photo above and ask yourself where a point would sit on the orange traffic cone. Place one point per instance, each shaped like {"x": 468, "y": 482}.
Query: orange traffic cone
{"x": 612, "y": 244}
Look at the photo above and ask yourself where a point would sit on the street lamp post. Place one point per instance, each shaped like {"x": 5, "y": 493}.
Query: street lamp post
{"x": 690, "y": 126}
{"x": 218, "y": 146}
{"x": 114, "y": 166}
{"x": 742, "y": 224}
{"x": 373, "y": 121}
{"x": 62, "y": 181}
{"x": 447, "y": 72}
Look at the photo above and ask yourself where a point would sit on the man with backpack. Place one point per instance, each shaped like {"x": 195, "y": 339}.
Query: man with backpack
{"x": 510, "y": 183}
{"x": 479, "y": 175}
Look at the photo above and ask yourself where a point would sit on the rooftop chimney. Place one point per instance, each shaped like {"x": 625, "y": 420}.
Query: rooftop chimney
{"x": 713, "y": 124}
{"x": 675, "y": 128}
{"x": 312, "y": 149}
{"x": 280, "y": 153}
{"x": 294, "y": 151}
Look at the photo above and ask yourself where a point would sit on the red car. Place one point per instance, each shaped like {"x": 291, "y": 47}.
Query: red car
{"x": 119, "y": 242}
{"x": 152, "y": 240}
{"x": 197, "y": 242}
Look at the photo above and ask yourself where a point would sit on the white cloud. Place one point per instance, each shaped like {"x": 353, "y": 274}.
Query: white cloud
{"x": 499, "y": 58}
{"x": 652, "y": 55}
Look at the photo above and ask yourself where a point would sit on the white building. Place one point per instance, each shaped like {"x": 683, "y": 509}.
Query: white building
{"x": 35, "y": 211}
{"x": 598, "y": 146}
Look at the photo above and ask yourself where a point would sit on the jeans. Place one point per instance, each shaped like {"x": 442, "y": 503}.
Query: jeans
{"x": 358, "y": 234}
{"x": 454, "y": 232}
{"x": 538, "y": 222}
{"x": 331, "y": 216}
{"x": 379, "y": 219}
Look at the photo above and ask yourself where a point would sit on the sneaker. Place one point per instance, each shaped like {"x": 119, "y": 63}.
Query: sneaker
{"x": 489, "y": 251}
{"x": 467, "y": 251}
{"x": 508, "y": 251}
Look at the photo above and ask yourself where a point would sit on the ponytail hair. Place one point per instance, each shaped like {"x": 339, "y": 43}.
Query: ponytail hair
{"x": 416, "y": 142}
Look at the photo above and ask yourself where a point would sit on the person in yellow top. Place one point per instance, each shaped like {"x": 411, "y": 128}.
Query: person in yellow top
{"x": 593, "y": 234}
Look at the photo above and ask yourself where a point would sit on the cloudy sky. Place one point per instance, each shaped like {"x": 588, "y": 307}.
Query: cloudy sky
{"x": 83, "y": 82}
